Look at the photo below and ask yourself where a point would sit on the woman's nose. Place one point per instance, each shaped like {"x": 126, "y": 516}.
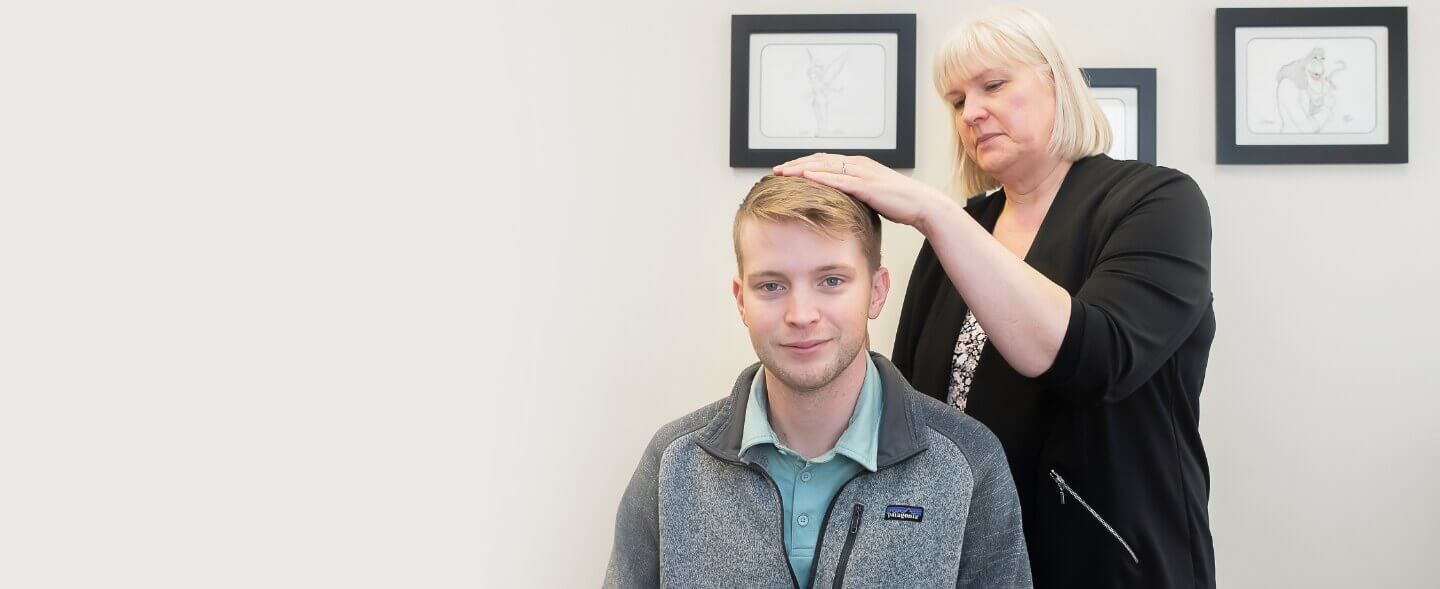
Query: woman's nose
{"x": 973, "y": 111}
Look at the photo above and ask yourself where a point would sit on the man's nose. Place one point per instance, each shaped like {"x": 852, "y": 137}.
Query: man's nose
{"x": 801, "y": 309}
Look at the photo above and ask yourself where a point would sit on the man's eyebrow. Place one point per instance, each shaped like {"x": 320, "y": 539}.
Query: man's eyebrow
{"x": 763, "y": 274}
{"x": 826, "y": 269}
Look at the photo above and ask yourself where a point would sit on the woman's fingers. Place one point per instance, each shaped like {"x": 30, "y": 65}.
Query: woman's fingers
{"x": 822, "y": 162}
{"x": 842, "y": 182}
{"x": 890, "y": 193}
{"x": 801, "y": 165}
{"x": 803, "y": 160}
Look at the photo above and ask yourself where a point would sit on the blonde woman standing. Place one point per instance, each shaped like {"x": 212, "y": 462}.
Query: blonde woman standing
{"x": 1069, "y": 309}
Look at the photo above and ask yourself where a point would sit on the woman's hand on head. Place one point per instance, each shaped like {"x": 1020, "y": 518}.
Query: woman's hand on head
{"x": 894, "y": 195}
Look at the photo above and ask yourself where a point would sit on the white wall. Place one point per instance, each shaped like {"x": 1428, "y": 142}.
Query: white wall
{"x": 358, "y": 294}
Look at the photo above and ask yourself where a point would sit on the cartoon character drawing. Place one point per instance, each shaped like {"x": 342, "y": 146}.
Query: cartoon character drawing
{"x": 1305, "y": 92}
{"x": 822, "y": 87}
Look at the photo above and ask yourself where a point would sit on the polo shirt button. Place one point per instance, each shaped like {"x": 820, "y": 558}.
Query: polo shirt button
{"x": 803, "y": 520}
{"x": 804, "y": 477}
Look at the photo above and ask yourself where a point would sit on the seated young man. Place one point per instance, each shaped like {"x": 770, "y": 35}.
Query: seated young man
{"x": 822, "y": 466}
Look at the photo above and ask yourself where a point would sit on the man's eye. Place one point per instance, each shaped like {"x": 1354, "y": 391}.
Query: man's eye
{"x": 769, "y": 287}
{"x": 832, "y": 281}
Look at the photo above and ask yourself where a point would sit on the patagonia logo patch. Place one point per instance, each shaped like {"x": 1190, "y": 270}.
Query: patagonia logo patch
{"x": 905, "y": 513}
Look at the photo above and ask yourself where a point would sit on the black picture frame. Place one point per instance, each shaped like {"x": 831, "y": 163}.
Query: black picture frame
{"x": 1397, "y": 147}
{"x": 1143, "y": 81}
{"x": 742, "y": 26}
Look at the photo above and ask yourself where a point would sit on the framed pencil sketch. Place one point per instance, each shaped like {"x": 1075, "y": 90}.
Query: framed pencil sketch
{"x": 1127, "y": 95}
{"x": 841, "y": 83}
{"x": 1311, "y": 85}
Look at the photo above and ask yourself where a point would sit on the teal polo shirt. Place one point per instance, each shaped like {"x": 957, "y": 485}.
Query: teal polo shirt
{"x": 807, "y": 487}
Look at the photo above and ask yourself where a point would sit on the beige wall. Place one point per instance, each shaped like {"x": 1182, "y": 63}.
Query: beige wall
{"x": 339, "y": 294}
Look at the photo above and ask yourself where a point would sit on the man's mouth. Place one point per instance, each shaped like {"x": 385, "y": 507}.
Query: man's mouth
{"x": 806, "y": 345}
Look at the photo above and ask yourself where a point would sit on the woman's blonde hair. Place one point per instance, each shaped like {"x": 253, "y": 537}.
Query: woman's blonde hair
{"x": 1012, "y": 35}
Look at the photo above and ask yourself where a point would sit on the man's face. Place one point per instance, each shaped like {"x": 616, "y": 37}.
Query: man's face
{"x": 806, "y": 299}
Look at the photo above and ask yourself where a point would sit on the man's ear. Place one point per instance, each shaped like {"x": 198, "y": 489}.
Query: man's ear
{"x": 879, "y": 291}
{"x": 738, "y": 290}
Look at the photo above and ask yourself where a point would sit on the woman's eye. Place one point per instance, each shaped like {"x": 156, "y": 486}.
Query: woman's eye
{"x": 995, "y": 85}
{"x": 959, "y": 103}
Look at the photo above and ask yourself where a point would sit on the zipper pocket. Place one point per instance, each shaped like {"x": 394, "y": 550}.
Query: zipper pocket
{"x": 849, "y": 544}
{"x": 1066, "y": 488}
{"x": 825, "y": 525}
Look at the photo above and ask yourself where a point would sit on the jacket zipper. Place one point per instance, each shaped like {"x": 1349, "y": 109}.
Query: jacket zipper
{"x": 849, "y": 544}
{"x": 1065, "y": 487}
{"x": 820, "y": 541}
{"x": 785, "y": 556}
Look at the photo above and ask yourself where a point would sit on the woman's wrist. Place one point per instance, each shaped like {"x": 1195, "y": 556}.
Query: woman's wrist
{"x": 938, "y": 213}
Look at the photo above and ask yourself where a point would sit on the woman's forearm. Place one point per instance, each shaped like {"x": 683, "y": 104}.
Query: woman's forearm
{"x": 1024, "y": 314}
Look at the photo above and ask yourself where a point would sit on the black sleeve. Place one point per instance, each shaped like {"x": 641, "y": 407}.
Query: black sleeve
{"x": 1145, "y": 294}
{"x": 918, "y": 297}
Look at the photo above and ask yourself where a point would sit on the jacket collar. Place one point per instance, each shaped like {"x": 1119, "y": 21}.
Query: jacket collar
{"x": 901, "y": 425}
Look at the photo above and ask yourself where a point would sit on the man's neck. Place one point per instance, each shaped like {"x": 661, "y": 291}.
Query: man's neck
{"x": 811, "y": 422}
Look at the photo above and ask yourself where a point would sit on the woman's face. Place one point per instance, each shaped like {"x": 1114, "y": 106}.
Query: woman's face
{"x": 1004, "y": 116}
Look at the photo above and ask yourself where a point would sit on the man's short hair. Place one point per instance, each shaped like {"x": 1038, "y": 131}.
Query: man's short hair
{"x": 824, "y": 209}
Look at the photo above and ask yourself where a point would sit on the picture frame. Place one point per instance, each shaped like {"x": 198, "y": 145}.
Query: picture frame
{"x": 838, "y": 83}
{"x": 1311, "y": 85}
{"x": 1127, "y": 95}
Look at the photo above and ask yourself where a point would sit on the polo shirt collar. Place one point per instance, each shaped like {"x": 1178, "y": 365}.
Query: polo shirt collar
{"x": 861, "y": 440}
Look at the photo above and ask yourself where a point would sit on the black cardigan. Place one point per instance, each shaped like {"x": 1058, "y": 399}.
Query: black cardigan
{"x": 1116, "y": 417}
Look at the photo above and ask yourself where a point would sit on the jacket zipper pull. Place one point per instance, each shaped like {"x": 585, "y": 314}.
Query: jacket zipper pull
{"x": 1059, "y": 484}
{"x": 855, "y": 518}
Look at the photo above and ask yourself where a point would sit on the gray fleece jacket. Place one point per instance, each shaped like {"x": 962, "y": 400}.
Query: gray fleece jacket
{"x": 940, "y": 511}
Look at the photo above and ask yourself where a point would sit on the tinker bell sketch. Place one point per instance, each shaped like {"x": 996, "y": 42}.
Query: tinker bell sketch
{"x": 1305, "y": 92}
{"x": 822, "y": 87}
